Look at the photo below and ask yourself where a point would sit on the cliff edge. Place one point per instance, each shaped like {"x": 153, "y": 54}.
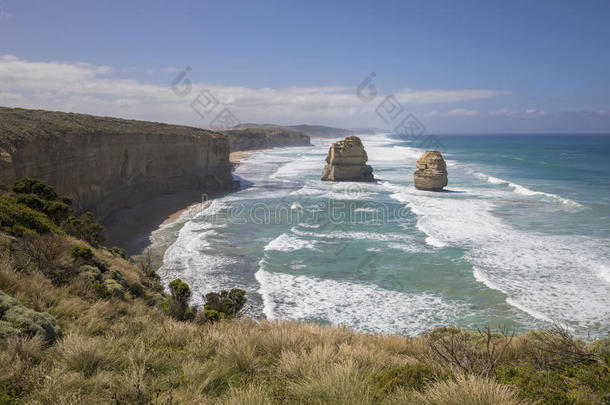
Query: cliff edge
{"x": 107, "y": 164}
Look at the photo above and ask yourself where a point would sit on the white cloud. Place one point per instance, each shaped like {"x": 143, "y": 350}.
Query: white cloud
{"x": 526, "y": 113}
{"x": 445, "y": 96}
{"x": 81, "y": 87}
{"x": 431, "y": 114}
{"x": 462, "y": 112}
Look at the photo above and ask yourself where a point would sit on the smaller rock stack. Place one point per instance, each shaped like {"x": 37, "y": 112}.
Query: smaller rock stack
{"x": 347, "y": 162}
{"x": 431, "y": 173}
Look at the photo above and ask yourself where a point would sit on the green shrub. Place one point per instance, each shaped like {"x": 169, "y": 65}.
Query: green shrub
{"x": 31, "y": 200}
{"x": 66, "y": 200}
{"x": 180, "y": 291}
{"x": 114, "y": 288}
{"x": 100, "y": 289}
{"x": 211, "y": 315}
{"x": 7, "y": 330}
{"x": 81, "y": 252}
{"x": 106, "y": 282}
{"x": 42, "y": 198}
{"x": 411, "y": 376}
{"x": 27, "y": 321}
{"x": 35, "y": 186}
{"x": 227, "y": 302}
{"x": 90, "y": 273}
{"x": 120, "y": 252}
{"x": 86, "y": 228}
{"x": 531, "y": 383}
{"x": 178, "y": 310}
{"x": 114, "y": 274}
{"x": 58, "y": 211}
{"x": 601, "y": 348}
{"x": 19, "y": 219}
{"x": 177, "y": 305}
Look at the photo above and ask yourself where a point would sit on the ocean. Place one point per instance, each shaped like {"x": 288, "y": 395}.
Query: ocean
{"x": 520, "y": 239}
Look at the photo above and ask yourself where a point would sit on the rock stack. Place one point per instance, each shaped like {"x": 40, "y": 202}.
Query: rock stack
{"x": 347, "y": 162}
{"x": 431, "y": 173}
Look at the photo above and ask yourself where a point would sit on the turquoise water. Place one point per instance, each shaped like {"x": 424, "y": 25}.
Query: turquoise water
{"x": 520, "y": 239}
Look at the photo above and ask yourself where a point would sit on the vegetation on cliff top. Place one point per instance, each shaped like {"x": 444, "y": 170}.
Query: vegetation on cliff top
{"x": 18, "y": 125}
{"x": 264, "y": 137}
{"x": 88, "y": 325}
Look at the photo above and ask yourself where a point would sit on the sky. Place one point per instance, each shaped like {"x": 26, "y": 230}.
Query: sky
{"x": 457, "y": 67}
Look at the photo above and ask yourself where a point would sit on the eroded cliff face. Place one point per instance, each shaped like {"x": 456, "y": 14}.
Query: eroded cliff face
{"x": 107, "y": 164}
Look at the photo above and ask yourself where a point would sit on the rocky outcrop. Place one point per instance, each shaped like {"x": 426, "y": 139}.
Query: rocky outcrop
{"x": 107, "y": 164}
{"x": 431, "y": 173}
{"x": 264, "y": 138}
{"x": 347, "y": 162}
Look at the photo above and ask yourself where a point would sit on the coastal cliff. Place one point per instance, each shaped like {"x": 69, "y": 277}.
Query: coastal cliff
{"x": 107, "y": 164}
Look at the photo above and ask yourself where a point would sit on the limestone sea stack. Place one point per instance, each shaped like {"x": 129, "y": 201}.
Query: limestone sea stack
{"x": 347, "y": 162}
{"x": 431, "y": 173}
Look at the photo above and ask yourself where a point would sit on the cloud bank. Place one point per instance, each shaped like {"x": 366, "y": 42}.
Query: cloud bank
{"x": 82, "y": 87}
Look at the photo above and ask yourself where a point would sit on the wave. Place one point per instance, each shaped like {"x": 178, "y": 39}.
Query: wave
{"x": 604, "y": 273}
{"x": 373, "y": 236}
{"x": 190, "y": 259}
{"x": 519, "y": 189}
{"x": 299, "y": 297}
{"x": 547, "y": 276}
{"x": 289, "y": 243}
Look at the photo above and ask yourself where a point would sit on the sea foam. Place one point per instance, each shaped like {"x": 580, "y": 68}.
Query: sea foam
{"x": 519, "y": 189}
{"x": 364, "y": 307}
{"x": 548, "y": 276}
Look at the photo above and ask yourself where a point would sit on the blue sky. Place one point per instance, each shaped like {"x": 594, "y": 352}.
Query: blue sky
{"x": 457, "y": 66}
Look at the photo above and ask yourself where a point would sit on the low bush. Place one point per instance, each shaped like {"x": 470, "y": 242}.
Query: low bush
{"x": 25, "y": 320}
{"x": 19, "y": 219}
{"x": 81, "y": 252}
{"x": 177, "y": 305}
{"x": 119, "y": 252}
{"x": 211, "y": 315}
{"x": 36, "y": 187}
{"x": 86, "y": 228}
{"x": 227, "y": 302}
{"x": 410, "y": 376}
{"x": 35, "y": 207}
{"x": 180, "y": 291}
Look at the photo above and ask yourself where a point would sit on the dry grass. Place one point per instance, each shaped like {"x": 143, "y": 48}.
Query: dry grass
{"x": 84, "y": 354}
{"x": 127, "y": 352}
{"x": 466, "y": 390}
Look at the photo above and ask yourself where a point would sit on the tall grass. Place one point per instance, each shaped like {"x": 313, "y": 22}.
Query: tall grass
{"x": 129, "y": 352}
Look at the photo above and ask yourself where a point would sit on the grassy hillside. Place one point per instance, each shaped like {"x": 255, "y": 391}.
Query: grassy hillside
{"x": 313, "y": 131}
{"x": 81, "y": 324}
{"x": 263, "y": 137}
{"x": 18, "y": 125}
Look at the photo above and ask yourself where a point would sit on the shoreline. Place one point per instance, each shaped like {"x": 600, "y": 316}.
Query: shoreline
{"x": 132, "y": 228}
{"x": 235, "y": 160}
